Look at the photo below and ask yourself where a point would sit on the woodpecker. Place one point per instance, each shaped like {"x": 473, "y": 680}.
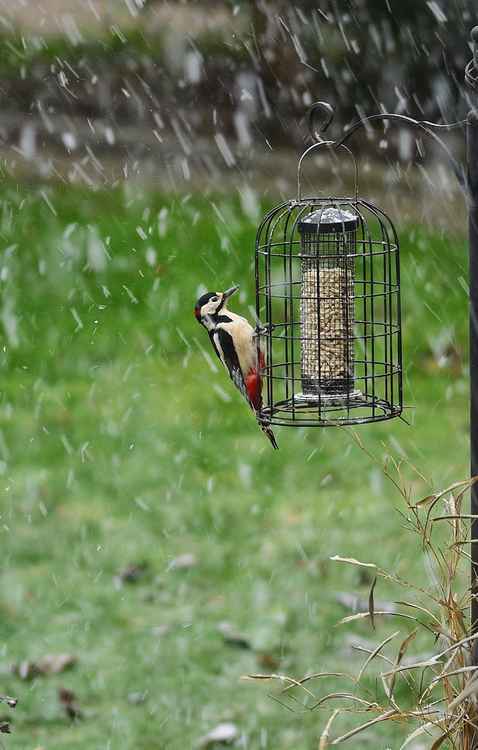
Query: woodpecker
{"x": 234, "y": 342}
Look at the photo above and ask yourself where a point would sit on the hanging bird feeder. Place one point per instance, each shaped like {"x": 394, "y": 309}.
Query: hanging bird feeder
{"x": 328, "y": 306}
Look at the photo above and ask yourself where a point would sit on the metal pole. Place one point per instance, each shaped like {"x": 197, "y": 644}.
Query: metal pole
{"x": 472, "y": 165}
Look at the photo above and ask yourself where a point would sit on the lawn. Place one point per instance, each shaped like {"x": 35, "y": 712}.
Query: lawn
{"x": 121, "y": 443}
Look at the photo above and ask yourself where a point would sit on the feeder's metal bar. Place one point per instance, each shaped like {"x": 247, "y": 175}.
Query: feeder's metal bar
{"x": 471, "y": 76}
{"x": 394, "y": 287}
{"x": 303, "y": 210}
{"x": 287, "y": 284}
{"x": 282, "y": 217}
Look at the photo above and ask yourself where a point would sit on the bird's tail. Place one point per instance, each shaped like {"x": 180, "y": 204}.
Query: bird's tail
{"x": 268, "y": 432}
{"x": 256, "y": 407}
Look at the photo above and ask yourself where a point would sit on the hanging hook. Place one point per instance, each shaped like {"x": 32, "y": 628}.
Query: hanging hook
{"x": 327, "y": 112}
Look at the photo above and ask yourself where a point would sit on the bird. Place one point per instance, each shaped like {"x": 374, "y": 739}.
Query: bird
{"x": 234, "y": 341}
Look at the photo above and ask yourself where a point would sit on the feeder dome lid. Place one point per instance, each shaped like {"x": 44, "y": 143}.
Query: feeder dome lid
{"x": 328, "y": 220}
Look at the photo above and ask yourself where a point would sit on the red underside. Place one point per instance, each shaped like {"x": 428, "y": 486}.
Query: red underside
{"x": 254, "y": 387}
{"x": 254, "y": 383}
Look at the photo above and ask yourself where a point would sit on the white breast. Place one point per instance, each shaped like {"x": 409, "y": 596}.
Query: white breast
{"x": 243, "y": 336}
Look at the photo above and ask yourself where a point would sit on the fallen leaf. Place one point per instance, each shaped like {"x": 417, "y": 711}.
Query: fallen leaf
{"x": 46, "y": 665}
{"x": 223, "y": 733}
{"x": 56, "y": 663}
{"x": 68, "y": 700}
{"x": 232, "y": 637}
{"x": 131, "y": 574}
{"x": 66, "y": 696}
{"x": 73, "y": 712}
{"x": 188, "y": 560}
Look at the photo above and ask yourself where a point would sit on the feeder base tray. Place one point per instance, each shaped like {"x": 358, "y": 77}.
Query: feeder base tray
{"x": 327, "y": 410}
{"x": 331, "y": 399}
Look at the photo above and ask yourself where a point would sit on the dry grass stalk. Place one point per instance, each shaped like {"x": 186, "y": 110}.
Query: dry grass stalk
{"x": 438, "y": 696}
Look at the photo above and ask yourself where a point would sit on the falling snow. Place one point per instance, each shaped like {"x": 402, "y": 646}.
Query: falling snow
{"x": 142, "y": 144}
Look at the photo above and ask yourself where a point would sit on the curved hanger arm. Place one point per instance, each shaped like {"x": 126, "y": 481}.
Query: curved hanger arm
{"x": 423, "y": 125}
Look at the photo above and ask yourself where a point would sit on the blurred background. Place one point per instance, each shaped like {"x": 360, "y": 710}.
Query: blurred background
{"x": 154, "y": 548}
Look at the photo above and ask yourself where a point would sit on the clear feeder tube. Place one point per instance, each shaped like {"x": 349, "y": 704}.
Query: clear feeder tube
{"x": 328, "y": 241}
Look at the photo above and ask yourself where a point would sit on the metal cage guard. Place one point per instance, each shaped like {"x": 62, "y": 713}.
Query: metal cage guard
{"x": 328, "y": 292}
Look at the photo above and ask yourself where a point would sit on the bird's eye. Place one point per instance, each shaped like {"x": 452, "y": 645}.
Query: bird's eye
{"x": 214, "y": 299}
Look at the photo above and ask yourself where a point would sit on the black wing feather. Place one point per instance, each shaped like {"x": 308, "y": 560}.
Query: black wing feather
{"x": 224, "y": 348}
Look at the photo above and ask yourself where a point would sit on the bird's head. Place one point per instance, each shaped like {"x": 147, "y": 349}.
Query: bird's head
{"x": 210, "y": 305}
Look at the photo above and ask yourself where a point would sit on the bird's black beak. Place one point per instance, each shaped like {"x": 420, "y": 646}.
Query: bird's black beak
{"x": 229, "y": 292}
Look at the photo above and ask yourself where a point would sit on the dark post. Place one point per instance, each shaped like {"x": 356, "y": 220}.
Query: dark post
{"x": 472, "y": 161}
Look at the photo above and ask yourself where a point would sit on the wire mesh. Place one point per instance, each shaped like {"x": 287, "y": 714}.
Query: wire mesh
{"x": 328, "y": 310}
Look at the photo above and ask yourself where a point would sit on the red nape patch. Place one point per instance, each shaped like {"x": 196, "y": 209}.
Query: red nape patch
{"x": 254, "y": 388}
{"x": 197, "y": 313}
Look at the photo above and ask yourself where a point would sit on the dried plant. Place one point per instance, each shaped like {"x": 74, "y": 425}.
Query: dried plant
{"x": 434, "y": 697}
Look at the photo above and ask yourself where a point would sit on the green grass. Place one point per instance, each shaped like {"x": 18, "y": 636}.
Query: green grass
{"x": 22, "y": 56}
{"x": 20, "y": 52}
{"x": 115, "y": 448}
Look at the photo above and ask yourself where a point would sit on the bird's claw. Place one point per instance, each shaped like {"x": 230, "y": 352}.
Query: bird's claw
{"x": 262, "y": 330}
